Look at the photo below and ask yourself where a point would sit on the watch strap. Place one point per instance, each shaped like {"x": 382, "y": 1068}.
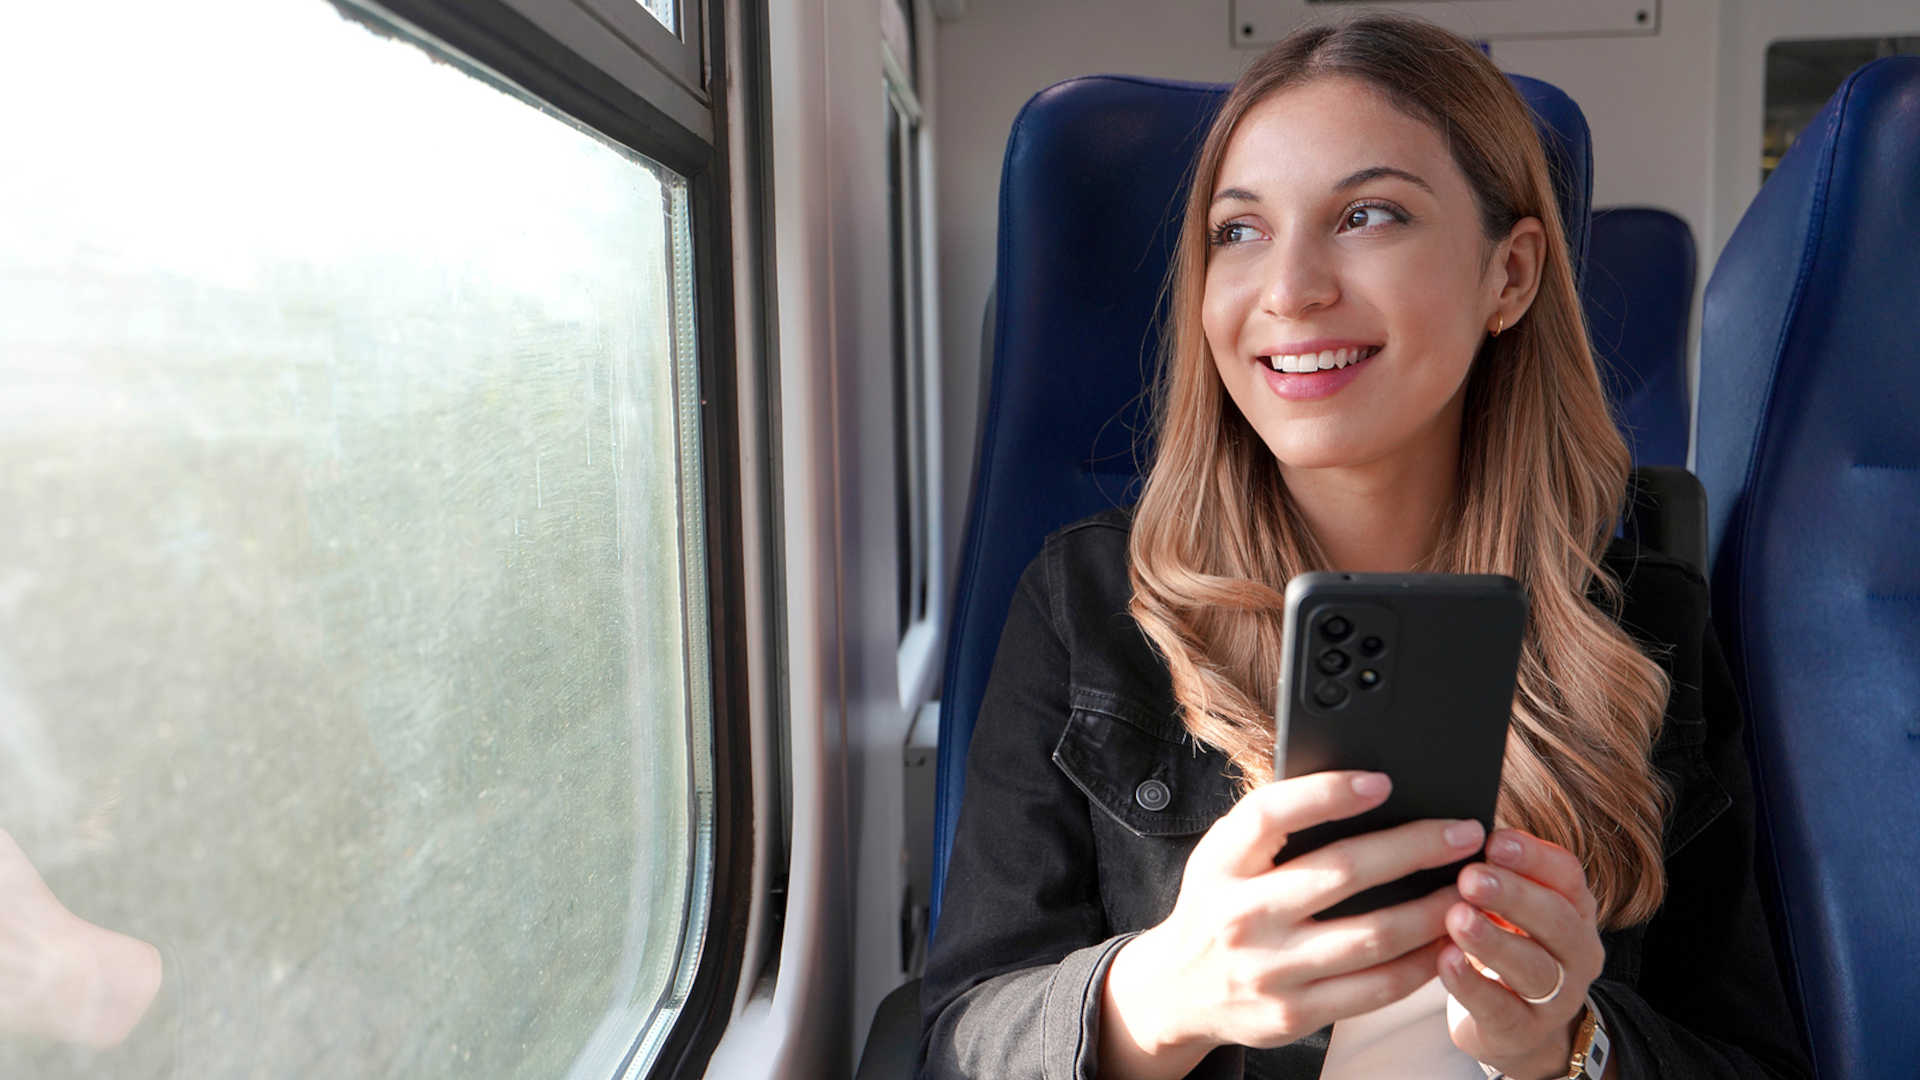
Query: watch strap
{"x": 1592, "y": 1048}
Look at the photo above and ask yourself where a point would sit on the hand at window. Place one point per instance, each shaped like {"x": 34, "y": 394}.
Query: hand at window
{"x": 1540, "y": 889}
{"x": 62, "y": 977}
{"x": 1241, "y": 958}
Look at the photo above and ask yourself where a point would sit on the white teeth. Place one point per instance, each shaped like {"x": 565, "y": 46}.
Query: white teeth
{"x": 1321, "y": 361}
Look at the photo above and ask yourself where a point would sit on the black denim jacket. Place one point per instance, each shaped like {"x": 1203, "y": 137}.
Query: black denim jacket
{"x": 1084, "y": 797}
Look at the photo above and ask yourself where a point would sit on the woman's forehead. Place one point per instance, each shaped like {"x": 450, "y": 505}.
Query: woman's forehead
{"x": 1308, "y": 138}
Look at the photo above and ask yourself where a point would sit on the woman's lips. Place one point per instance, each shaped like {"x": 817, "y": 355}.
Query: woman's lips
{"x": 1313, "y": 385}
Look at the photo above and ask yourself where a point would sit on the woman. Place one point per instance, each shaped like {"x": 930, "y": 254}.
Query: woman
{"x": 1375, "y": 361}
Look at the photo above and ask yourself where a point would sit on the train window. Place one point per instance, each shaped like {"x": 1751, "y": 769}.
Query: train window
{"x": 354, "y": 679}
{"x": 916, "y": 502}
{"x": 1802, "y": 75}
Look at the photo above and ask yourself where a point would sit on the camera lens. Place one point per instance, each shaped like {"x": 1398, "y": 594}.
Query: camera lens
{"x": 1330, "y": 694}
{"x": 1368, "y": 678}
{"x": 1336, "y": 628}
{"x": 1333, "y": 662}
{"x": 1372, "y": 646}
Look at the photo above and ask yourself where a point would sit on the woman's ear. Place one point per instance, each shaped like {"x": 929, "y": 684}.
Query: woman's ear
{"x": 1515, "y": 273}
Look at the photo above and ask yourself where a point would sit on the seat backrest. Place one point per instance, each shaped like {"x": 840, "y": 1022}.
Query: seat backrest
{"x": 1090, "y": 203}
{"x": 1639, "y": 300}
{"x": 1810, "y": 453}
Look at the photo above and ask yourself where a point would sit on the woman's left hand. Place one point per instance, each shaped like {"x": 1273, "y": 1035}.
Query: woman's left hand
{"x": 1540, "y": 888}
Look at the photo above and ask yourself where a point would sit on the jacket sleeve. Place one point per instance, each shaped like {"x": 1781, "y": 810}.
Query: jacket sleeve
{"x": 1709, "y": 1001}
{"x": 1019, "y": 959}
{"x": 1015, "y": 970}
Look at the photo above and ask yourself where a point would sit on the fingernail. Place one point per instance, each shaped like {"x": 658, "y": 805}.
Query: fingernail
{"x": 1463, "y": 834}
{"x": 1506, "y": 849}
{"x": 1482, "y": 883}
{"x": 1371, "y": 784}
{"x": 1461, "y": 920}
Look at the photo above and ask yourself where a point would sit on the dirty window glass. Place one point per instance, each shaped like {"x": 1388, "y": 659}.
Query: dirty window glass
{"x": 353, "y": 711}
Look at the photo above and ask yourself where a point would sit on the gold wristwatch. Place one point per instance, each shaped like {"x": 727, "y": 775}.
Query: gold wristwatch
{"x": 1591, "y": 1049}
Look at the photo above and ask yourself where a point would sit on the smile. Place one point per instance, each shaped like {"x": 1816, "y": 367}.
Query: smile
{"x": 1326, "y": 360}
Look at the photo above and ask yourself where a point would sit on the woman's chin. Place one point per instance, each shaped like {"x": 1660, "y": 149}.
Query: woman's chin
{"x": 1317, "y": 454}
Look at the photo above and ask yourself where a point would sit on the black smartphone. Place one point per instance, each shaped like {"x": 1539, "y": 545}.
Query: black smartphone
{"x": 1407, "y": 674}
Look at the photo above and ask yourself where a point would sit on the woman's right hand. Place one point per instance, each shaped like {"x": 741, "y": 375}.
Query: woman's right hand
{"x": 1241, "y": 960}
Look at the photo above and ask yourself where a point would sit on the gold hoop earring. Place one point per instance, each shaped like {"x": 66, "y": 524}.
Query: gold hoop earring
{"x": 1499, "y": 324}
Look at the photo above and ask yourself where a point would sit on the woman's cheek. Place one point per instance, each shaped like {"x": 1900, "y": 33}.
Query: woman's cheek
{"x": 1219, "y": 322}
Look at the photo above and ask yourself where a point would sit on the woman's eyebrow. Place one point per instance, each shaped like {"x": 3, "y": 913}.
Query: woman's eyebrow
{"x": 1378, "y": 171}
{"x": 1241, "y": 194}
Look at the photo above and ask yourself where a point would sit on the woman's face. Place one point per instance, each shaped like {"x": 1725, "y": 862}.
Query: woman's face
{"x": 1346, "y": 249}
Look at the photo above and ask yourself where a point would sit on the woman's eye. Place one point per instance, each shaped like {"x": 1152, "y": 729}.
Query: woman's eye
{"x": 1233, "y": 232}
{"x": 1364, "y": 217}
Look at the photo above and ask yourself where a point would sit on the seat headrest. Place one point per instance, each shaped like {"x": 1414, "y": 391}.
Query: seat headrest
{"x": 1639, "y": 301}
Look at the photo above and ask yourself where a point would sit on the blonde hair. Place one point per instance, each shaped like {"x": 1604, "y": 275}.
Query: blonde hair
{"x": 1542, "y": 478}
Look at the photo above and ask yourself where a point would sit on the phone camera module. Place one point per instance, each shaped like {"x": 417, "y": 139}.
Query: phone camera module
{"x": 1368, "y": 678}
{"x": 1330, "y": 695}
{"x": 1336, "y": 629}
{"x": 1372, "y": 646}
{"x": 1333, "y": 662}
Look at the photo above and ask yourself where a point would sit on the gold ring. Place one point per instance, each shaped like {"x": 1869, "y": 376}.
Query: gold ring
{"x": 1559, "y": 982}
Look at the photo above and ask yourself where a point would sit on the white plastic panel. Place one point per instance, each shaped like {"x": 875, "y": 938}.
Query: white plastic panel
{"x": 1259, "y": 23}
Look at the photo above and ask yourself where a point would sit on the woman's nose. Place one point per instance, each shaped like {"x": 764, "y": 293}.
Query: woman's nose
{"x": 1300, "y": 278}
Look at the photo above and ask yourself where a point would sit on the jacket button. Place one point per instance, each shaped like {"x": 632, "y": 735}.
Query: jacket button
{"x": 1152, "y": 795}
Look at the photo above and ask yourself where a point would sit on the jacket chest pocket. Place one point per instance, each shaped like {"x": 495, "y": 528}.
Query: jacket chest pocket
{"x": 1152, "y": 793}
{"x": 1698, "y": 797}
{"x": 1143, "y": 773}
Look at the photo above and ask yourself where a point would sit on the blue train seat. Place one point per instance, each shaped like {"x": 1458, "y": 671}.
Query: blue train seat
{"x": 1090, "y": 198}
{"x": 1810, "y": 453}
{"x": 1639, "y": 299}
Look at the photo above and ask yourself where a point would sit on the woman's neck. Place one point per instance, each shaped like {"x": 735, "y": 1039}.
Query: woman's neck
{"x": 1385, "y": 515}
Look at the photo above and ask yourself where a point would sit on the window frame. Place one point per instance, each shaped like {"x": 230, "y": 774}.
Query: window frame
{"x": 921, "y": 634}
{"x": 618, "y": 71}
{"x": 622, "y": 39}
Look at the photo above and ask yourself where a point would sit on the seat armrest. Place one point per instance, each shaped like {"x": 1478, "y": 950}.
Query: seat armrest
{"x": 893, "y": 1042}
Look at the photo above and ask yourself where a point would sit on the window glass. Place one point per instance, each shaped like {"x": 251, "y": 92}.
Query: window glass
{"x": 352, "y": 610}
{"x": 911, "y": 490}
{"x": 664, "y": 11}
{"x": 1802, "y": 75}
